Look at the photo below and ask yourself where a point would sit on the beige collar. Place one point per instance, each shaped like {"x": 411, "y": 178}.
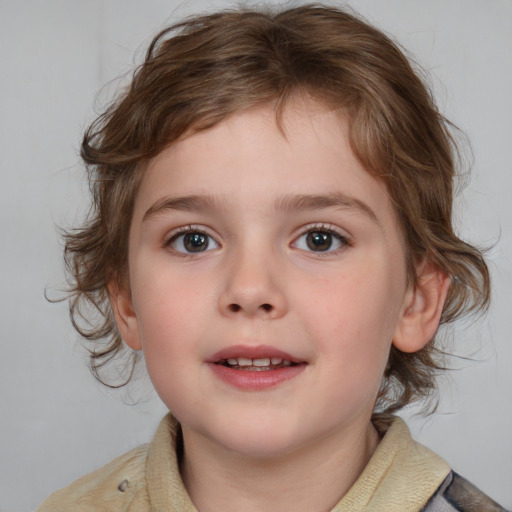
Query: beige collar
{"x": 400, "y": 477}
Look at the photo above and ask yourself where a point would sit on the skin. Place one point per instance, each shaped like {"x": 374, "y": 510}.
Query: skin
{"x": 298, "y": 445}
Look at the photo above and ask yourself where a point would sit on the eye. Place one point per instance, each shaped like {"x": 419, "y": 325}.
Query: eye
{"x": 320, "y": 240}
{"x": 192, "y": 241}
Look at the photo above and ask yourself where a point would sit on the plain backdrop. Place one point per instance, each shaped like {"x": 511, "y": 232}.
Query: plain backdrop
{"x": 56, "y": 422}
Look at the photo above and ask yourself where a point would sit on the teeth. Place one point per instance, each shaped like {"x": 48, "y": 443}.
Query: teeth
{"x": 265, "y": 361}
{"x": 259, "y": 362}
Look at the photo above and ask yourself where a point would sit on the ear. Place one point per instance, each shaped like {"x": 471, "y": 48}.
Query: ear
{"x": 126, "y": 319}
{"x": 422, "y": 309}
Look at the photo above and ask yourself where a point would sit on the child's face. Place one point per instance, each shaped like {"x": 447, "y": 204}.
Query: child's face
{"x": 249, "y": 244}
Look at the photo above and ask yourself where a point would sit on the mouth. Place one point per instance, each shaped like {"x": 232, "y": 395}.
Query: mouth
{"x": 255, "y": 368}
{"x": 254, "y": 358}
{"x": 259, "y": 364}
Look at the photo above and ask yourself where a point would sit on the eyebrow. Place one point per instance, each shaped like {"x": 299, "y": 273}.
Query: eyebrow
{"x": 287, "y": 203}
{"x": 304, "y": 202}
{"x": 185, "y": 203}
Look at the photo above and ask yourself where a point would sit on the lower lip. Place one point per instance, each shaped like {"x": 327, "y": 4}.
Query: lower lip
{"x": 255, "y": 380}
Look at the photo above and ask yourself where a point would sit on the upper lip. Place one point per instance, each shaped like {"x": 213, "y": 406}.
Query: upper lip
{"x": 252, "y": 352}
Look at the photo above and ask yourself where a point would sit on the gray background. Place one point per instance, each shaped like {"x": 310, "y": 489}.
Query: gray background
{"x": 56, "y": 423}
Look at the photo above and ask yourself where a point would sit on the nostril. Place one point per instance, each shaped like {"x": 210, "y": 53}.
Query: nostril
{"x": 234, "y": 308}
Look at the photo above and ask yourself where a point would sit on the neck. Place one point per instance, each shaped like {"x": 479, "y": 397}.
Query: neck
{"x": 314, "y": 478}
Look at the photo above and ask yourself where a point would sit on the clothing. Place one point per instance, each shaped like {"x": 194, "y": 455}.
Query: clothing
{"x": 456, "y": 494}
{"x": 402, "y": 476}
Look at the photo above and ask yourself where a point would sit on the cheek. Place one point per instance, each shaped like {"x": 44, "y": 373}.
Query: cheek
{"x": 356, "y": 314}
{"x": 166, "y": 328}
{"x": 164, "y": 297}
{"x": 165, "y": 311}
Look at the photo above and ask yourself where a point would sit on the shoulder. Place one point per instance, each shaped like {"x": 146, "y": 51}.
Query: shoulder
{"x": 115, "y": 486}
{"x": 456, "y": 494}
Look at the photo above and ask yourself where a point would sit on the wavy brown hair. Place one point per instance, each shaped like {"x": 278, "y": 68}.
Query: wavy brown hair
{"x": 205, "y": 69}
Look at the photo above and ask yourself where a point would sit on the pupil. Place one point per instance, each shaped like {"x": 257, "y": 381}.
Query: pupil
{"x": 319, "y": 240}
{"x": 195, "y": 242}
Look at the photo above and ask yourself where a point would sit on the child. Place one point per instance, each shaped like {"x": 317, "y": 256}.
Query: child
{"x": 271, "y": 226}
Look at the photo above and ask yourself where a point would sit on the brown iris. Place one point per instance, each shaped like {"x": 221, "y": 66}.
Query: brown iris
{"x": 195, "y": 242}
{"x": 319, "y": 240}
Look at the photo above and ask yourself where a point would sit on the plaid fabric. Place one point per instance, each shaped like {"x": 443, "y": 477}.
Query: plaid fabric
{"x": 456, "y": 494}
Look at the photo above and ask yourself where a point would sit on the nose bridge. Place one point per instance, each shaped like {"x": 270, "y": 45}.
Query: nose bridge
{"x": 253, "y": 285}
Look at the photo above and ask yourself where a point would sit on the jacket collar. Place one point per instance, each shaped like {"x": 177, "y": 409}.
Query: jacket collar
{"x": 400, "y": 477}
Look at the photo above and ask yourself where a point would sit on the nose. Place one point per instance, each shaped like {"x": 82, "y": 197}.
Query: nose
{"x": 253, "y": 288}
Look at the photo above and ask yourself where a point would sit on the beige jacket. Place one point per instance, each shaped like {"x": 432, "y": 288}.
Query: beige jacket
{"x": 401, "y": 477}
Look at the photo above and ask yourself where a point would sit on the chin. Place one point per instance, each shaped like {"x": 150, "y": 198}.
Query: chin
{"x": 263, "y": 448}
{"x": 259, "y": 440}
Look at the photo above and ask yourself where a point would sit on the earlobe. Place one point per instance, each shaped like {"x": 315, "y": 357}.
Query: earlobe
{"x": 126, "y": 319}
{"x": 422, "y": 310}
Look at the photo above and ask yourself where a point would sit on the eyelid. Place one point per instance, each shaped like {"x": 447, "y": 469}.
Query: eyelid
{"x": 184, "y": 230}
{"x": 322, "y": 226}
{"x": 336, "y": 231}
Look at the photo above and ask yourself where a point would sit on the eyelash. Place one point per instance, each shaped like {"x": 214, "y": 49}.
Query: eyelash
{"x": 189, "y": 230}
{"x": 343, "y": 240}
{"x": 319, "y": 228}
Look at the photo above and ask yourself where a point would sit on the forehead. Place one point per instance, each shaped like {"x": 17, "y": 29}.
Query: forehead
{"x": 253, "y": 160}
